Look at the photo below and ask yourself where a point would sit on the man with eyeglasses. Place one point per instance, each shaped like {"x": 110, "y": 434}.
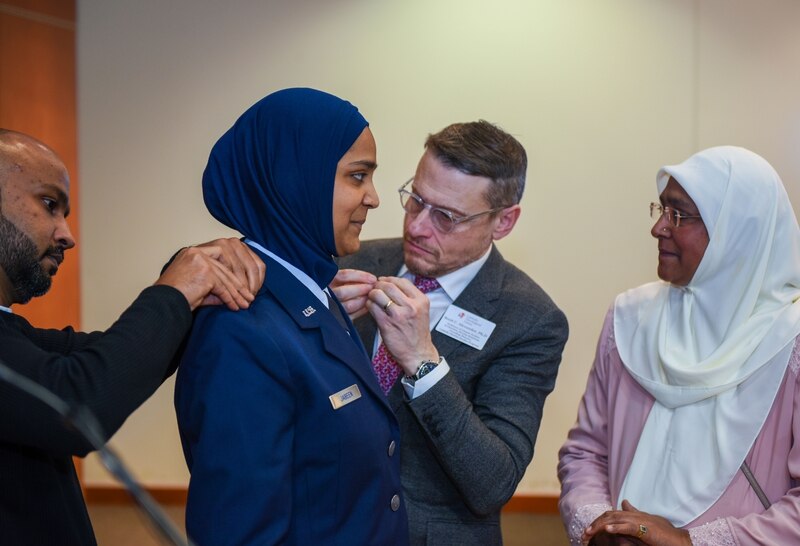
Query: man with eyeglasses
{"x": 466, "y": 345}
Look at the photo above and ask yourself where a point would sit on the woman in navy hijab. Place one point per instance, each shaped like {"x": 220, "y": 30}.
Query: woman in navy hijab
{"x": 287, "y": 435}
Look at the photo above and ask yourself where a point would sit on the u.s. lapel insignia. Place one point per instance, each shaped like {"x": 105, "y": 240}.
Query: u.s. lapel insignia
{"x": 345, "y": 396}
{"x": 308, "y": 311}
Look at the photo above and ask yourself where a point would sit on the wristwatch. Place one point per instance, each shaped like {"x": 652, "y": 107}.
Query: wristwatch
{"x": 425, "y": 367}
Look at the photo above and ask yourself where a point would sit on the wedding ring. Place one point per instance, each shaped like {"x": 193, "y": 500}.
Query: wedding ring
{"x": 642, "y": 531}
{"x": 386, "y": 307}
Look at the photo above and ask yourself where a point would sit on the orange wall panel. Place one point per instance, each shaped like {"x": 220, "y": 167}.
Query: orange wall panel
{"x": 61, "y": 9}
{"x": 38, "y": 97}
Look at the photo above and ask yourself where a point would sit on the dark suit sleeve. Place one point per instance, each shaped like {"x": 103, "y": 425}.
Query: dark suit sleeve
{"x": 63, "y": 341}
{"x": 110, "y": 373}
{"x": 484, "y": 439}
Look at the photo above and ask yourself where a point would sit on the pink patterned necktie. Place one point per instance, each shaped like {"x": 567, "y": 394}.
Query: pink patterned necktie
{"x": 386, "y": 368}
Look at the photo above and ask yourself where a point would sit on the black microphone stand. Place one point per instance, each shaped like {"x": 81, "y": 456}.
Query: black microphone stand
{"x": 80, "y": 418}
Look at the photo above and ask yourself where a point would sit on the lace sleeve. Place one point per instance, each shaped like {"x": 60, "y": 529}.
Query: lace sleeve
{"x": 583, "y": 517}
{"x": 713, "y": 533}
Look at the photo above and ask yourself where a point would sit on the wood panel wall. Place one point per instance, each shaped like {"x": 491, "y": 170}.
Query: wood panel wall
{"x": 38, "y": 97}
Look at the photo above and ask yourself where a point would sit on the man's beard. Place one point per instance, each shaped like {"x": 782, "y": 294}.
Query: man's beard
{"x": 22, "y": 264}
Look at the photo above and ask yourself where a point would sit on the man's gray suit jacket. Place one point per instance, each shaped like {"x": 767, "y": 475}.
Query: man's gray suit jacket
{"x": 466, "y": 443}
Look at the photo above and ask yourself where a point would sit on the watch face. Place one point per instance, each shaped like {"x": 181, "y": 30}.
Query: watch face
{"x": 425, "y": 368}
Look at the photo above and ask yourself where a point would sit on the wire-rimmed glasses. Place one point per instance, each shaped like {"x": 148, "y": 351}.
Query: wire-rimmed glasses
{"x": 674, "y": 216}
{"x": 442, "y": 219}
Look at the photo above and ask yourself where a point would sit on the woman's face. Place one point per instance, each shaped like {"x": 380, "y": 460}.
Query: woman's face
{"x": 680, "y": 249}
{"x": 354, "y": 193}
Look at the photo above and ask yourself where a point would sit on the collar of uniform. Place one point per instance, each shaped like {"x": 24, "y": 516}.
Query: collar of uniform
{"x": 456, "y": 281}
{"x": 6, "y": 309}
{"x": 299, "y": 275}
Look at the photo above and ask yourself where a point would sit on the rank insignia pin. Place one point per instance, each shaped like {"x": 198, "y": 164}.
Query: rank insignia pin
{"x": 308, "y": 311}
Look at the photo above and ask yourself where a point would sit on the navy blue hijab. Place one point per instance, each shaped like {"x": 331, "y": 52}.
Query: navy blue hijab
{"x": 271, "y": 175}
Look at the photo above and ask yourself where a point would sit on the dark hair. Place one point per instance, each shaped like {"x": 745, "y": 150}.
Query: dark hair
{"x": 480, "y": 148}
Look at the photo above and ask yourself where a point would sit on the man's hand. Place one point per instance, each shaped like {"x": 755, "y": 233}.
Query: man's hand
{"x": 224, "y": 271}
{"x": 352, "y": 287}
{"x": 401, "y": 312}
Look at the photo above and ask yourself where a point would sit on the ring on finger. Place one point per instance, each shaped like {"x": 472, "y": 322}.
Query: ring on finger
{"x": 642, "y": 531}
{"x": 386, "y": 307}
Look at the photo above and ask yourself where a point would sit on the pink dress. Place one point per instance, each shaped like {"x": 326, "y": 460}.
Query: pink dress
{"x": 599, "y": 448}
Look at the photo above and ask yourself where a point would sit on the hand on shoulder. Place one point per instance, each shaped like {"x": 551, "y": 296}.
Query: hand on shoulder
{"x": 223, "y": 271}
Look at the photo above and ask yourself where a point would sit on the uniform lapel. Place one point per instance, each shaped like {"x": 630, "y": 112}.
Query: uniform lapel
{"x": 310, "y": 313}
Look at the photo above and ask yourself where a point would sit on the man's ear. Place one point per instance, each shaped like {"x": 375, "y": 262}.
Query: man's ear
{"x": 505, "y": 221}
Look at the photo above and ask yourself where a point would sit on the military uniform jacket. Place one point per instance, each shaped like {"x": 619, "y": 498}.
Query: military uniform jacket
{"x": 271, "y": 460}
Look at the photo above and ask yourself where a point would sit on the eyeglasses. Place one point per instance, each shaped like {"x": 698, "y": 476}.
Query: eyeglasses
{"x": 442, "y": 219}
{"x": 674, "y": 216}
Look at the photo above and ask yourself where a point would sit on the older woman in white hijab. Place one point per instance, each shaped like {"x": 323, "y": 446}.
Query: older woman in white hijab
{"x": 689, "y": 429}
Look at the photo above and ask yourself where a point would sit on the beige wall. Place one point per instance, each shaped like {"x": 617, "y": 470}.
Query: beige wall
{"x": 600, "y": 92}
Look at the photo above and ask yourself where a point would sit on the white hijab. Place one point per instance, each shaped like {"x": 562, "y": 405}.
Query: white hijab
{"x": 712, "y": 353}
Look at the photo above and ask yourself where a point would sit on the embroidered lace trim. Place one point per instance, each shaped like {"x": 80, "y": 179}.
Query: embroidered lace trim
{"x": 713, "y": 533}
{"x": 585, "y": 515}
{"x": 794, "y": 360}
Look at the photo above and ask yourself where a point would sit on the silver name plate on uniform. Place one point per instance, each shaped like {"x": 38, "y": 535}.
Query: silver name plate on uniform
{"x": 344, "y": 397}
